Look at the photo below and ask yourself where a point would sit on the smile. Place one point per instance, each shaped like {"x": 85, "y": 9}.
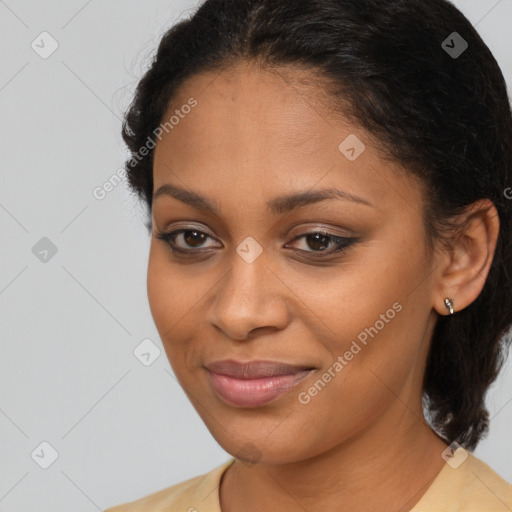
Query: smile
{"x": 254, "y": 384}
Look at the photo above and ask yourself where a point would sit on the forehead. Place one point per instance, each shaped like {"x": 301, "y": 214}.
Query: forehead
{"x": 259, "y": 103}
{"x": 257, "y": 131}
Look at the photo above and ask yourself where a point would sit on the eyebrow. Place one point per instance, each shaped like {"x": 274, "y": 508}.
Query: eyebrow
{"x": 279, "y": 205}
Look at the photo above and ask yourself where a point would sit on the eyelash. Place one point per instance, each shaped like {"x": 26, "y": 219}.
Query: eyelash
{"x": 341, "y": 243}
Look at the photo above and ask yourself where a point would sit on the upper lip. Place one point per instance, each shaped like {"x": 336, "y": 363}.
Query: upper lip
{"x": 254, "y": 369}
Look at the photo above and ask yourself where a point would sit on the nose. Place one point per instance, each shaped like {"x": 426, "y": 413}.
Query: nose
{"x": 251, "y": 298}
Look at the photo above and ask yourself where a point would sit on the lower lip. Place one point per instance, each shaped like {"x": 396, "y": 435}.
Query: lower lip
{"x": 254, "y": 392}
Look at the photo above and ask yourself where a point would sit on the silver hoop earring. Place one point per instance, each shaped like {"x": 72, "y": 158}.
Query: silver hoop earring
{"x": 449, "y": 304}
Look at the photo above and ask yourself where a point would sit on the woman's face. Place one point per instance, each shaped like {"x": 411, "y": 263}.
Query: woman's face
{"x": 258, "y": 281}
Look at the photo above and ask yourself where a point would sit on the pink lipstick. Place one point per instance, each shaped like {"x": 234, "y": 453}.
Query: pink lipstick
{"x": 254, "y": 383}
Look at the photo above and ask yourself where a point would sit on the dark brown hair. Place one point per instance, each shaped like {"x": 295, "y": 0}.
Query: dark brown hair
{"x": 445, "y": 118}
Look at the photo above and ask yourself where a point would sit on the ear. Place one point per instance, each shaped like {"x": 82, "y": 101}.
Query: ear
{"x": 468, "y": 257}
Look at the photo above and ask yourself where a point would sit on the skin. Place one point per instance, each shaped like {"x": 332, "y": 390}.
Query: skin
{"x": 362, "y": 440}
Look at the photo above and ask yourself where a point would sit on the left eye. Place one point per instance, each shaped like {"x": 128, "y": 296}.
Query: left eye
{"x": 319, "y": 241}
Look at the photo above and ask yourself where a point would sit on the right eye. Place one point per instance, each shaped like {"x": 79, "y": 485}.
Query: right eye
{"x": 191, "y": 239}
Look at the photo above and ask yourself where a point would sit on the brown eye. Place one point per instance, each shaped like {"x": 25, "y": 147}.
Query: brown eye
{"x": 194, "y": 238}
{"x": 189, "y": 240}
{"x": 318, "y": 242}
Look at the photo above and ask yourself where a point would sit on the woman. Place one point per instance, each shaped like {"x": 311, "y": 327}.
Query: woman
{"x": 329, "y": 263}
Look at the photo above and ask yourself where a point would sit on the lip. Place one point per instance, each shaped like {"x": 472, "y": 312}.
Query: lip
{"x": 254, "y": 383}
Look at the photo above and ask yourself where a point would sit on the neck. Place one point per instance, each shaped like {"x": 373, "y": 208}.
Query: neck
{"x": 388, "y": 467}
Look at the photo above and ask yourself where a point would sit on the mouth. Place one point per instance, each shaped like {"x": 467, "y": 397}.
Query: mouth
{"x": 255, "y": 383}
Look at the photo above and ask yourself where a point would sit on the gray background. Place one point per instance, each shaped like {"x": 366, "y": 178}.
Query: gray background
{"x": 68, "y": 326}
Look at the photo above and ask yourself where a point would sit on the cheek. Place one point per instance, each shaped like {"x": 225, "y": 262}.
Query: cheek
{"x": 377, "y": 321}
{"x": 169, "y": 300}
{"x": 158, "y": 281}
{"x": 174, "y": 298}
{"x": 360, "y": 300}
{"x": 171, "y": 292}
{"x": 368, "y": 380}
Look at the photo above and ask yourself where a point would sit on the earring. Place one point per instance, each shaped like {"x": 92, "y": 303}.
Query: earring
{"x": 449, "y": 304}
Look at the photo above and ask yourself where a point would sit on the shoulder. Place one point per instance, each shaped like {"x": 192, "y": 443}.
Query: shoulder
{"x": 485, "y": 488}
{"x": 198, "y": 493}
{"x": 467, "y": 484}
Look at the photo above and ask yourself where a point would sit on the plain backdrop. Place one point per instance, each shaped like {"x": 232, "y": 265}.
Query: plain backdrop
{"x": 73, "y": 303}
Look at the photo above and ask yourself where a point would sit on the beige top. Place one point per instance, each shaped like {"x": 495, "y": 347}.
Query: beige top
{"x": 471, "y": 487}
